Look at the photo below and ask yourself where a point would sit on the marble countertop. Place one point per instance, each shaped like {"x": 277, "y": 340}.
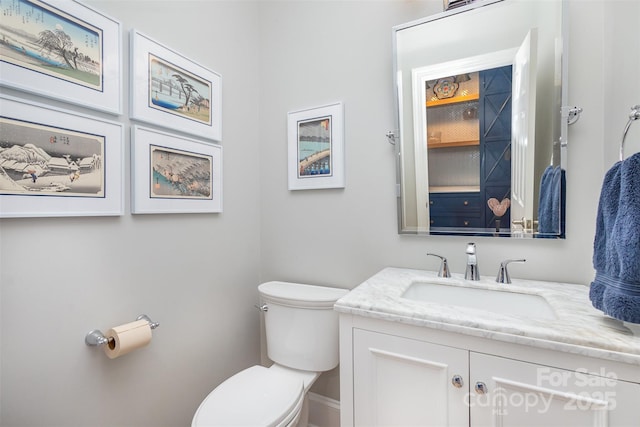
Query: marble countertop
{"x": 579, "y": 328}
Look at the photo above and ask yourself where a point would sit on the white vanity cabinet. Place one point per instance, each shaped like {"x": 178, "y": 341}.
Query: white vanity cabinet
{"x": 404, "y": 382}
{"x": 402, "y": 375}
{"x": 527, "y": 394}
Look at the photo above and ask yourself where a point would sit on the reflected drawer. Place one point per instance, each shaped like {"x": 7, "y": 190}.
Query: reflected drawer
{"x": 455, "y": 221}
{"x": 451, "y": 203}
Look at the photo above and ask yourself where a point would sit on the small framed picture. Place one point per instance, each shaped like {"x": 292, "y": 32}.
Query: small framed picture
{"x": 316, "y": 148}
{"x": 58, "y": 163}
{"x": 62, "y": 50}
{"x": 174, "y": 174}
{"x": 452, "y": 4}
{"x": 170, "y": 90}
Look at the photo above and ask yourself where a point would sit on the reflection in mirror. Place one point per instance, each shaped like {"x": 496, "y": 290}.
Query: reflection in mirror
{"x": 479, "y": 104}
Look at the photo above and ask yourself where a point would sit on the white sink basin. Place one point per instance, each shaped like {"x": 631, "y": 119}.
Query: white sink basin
{"x": 496, "y": 301}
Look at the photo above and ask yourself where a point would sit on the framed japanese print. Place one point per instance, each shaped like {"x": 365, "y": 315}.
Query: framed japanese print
{"x": 170, "y": 90}
{"x": 174, "y": 174}
{"x": 62, "y": 50}
{"x": 58, "y": 163}
{"x": 316, "y": 148}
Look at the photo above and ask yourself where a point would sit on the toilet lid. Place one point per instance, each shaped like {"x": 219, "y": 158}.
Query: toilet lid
{"x": 299, "y": 295}
{"x": 257, "y": 396}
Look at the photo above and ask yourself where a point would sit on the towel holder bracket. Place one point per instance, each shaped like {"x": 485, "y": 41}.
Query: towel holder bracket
{"x": 392, "y": 137}
{"x": 572, "y": 114}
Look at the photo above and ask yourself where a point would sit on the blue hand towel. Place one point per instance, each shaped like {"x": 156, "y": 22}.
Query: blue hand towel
{"x": 616, "y": 247}
{"x": 561, "y": 199}
{"x": 551, "y": 201}
{"x": 545, "y": 200}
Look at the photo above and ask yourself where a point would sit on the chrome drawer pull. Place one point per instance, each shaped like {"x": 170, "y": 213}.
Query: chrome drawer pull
{"x": 481, "y": 388}
{"x": 457, "y": 381}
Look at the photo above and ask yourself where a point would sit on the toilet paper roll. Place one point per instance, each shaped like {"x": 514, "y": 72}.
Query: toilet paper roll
{"x": 128, "y": 337}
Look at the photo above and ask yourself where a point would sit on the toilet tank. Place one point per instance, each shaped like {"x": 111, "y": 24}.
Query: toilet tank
{"x": 301, "y": 325}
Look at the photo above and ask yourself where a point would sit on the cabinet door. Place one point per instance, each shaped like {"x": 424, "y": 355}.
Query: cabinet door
{"x": 404, "y": 382}
{"x": 495, "y": 136}
{"x": 524, "y": 394}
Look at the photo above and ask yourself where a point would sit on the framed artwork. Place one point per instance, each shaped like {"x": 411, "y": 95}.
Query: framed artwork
{"x": 170, "y": 90}
{"x": 58, "y": 163}
{"x": 174, "y": 174}
{"x": 452, "y": 4}
{"x": 62, "y": 50}
{"x": 316, "y": 148}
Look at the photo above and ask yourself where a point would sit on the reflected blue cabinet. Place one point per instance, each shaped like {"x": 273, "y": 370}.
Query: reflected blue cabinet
{"x": 493, "y": 106}
{"x": 494, "y": 113}
{"x": 455, "y": 210}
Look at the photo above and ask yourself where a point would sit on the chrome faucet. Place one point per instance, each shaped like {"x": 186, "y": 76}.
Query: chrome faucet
{"x": 503, "y": 273}
{"x": 444, "y": 266}
{"x": 472, "y": 272}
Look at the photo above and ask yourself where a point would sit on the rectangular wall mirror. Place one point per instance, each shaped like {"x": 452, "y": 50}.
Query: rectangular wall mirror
{"x": 481, "y": 133}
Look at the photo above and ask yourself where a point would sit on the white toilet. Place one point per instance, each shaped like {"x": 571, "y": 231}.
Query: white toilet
{"x": 302, "y": 340}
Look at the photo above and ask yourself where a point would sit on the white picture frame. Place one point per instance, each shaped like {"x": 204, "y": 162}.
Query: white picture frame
{"x": 56, "y": 163}
{"x": 316, "y": 147}
{"x": 159, "y": 182}
{"x": 86, "y": 70}
{"x": 172, "y": 91}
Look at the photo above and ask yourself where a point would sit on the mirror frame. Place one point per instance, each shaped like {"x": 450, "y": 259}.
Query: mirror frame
{"x": 399, "y": 138}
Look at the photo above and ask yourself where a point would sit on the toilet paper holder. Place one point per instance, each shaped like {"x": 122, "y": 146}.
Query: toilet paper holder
{"x": 97, "y": 338}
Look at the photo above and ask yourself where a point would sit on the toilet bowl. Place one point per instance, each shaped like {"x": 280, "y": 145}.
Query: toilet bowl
{"x": 302, "y": 340}
{"x": 257, "y": 396}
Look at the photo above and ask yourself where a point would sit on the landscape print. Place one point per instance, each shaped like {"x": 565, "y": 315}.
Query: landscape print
{"x": 180, "y": 174}
{"x": 43, "y": 160}
{"x": 38, "y": 37}
{"x": 314, "y": 147}
{"x": 176, "y": 91}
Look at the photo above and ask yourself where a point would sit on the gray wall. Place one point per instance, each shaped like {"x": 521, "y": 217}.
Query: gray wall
{"x": 196, "y": 274}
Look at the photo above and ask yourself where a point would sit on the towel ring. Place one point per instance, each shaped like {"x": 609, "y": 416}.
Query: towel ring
{"x": 633, "y": 115}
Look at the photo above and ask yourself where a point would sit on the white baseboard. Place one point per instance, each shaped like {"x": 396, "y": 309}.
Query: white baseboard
{"x": 323, "y": 411}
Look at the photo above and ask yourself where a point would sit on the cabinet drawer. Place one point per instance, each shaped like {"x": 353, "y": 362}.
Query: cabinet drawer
{"x": 451, "y": 203}
{"x": 455, "y": 221}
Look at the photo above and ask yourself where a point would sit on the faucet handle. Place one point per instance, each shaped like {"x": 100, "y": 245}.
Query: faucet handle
{"x": 503, "y": 273}
{"x": 444, "y": 266}
{"x": 471, "y": 249}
